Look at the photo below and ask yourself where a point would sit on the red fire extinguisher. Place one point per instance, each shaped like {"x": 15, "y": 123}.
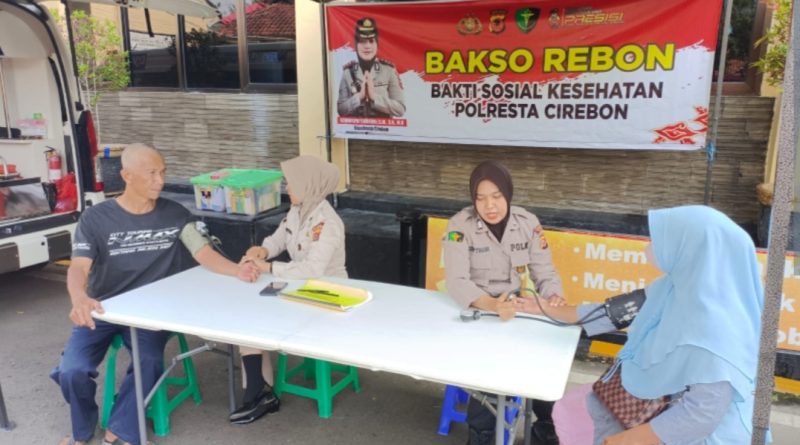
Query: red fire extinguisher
{"x": 53, "y": 164}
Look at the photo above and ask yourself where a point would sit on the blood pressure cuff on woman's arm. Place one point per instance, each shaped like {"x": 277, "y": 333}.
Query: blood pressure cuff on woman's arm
{"x": 622, "y": 309}
{"x": 193, "y": 238}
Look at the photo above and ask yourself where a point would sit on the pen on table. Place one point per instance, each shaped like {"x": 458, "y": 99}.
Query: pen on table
{"x": 321, "y": 291}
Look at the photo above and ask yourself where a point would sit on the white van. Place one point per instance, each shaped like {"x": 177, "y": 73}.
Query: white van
{"x": 40, "y": 110}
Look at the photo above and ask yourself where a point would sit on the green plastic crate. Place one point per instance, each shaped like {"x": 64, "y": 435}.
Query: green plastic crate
{"x": 250, "y": 192}
{"x": 209, "y": 192}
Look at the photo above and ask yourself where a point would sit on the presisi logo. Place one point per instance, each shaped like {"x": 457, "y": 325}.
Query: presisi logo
{"x": 555, "y": 18}
{"x": 584, "y": 17}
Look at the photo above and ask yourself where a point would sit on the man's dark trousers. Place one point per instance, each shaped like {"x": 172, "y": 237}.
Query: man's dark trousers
{"x": 75, "y": 375}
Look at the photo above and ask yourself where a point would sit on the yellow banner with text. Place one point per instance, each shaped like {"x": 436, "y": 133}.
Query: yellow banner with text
{"x": 595, "y": 266}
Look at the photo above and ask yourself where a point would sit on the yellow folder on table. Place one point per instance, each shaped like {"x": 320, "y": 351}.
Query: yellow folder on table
{"x": 329, "y": 295}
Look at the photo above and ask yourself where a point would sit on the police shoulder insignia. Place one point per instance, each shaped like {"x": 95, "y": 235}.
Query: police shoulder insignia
{"x": 455, "y": 236}
{"x": 386, "y": 62}
{"x": 316, "y": 231}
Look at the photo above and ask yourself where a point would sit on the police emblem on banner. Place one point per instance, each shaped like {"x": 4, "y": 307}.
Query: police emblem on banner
{"x": 469, "y": 25}
{"x": 527, "y": 18}
{"x": 497, "y": 21}
{"x": 555, "y": 18}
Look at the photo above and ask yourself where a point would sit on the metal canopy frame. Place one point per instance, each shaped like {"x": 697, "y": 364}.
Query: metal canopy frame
{"x": 782, "y": 203}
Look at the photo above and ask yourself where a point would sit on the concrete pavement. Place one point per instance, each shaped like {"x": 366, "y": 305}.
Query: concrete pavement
{"x": 391, "y": 409}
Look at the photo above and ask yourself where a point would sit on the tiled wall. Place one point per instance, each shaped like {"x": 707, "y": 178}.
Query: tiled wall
{"x": 200, "y": 132}
{"x": 596, "y": 180}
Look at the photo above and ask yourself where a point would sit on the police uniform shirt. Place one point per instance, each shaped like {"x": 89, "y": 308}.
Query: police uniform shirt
{"x": 477, "y": 264}
{"x": 315, "y": 246}
{"x": 388, "y": 97}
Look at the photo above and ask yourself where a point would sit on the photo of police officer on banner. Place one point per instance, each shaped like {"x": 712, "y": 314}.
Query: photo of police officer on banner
{"x": 370, "y": 86}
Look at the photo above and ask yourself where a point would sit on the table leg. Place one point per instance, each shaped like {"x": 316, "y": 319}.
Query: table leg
{"x": 500, "y": 425}
{"x": 137, "y": 380}
{"x": 528, "y": 420}
{"x": 5, "y": 424}
{"x": 231, "y": 380}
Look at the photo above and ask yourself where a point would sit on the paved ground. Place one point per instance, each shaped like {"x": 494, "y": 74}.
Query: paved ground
{"x": 391, "y": 409}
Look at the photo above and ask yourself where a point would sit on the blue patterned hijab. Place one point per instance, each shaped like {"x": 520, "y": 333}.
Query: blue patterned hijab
{"x": 702, "y": 319}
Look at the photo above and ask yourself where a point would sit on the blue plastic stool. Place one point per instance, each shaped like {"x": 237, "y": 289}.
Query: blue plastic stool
{"x": 454, "y": 396}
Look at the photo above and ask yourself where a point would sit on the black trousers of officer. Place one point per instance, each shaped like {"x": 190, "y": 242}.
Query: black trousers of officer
{"x": 482, "y": 422}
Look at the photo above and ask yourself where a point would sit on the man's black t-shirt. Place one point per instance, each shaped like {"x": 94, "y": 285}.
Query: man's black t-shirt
{"x": 129, "y": 250}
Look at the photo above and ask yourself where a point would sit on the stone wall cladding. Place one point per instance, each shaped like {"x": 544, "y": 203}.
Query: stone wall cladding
{"x": 617, "y": 181}
{"x": 198, "y": 132}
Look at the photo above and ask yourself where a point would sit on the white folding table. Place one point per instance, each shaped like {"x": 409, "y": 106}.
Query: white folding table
{"x": 403, "y": 330}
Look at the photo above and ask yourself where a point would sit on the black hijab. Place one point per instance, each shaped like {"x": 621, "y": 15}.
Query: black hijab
{"x": 498, "y": 175}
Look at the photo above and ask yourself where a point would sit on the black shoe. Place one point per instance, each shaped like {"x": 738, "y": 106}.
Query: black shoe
{"x": 483, "y": 437}
{"x": 265, "y": 403}
{"x": 544, "y": 433}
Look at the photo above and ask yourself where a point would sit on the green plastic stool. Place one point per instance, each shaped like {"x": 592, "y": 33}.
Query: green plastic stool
{"x": 161, "y": 406}
{"x": 321, "y": 371}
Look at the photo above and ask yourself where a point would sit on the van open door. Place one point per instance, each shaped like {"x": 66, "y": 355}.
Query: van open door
{"x": 41, "y": 111}
{"x": 86, "y": 137}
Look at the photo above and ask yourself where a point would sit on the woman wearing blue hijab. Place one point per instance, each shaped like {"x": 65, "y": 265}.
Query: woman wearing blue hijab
{"x": 695, "y": 338}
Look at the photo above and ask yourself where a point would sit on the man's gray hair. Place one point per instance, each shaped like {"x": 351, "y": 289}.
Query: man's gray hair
{"x": 133, "y": 152}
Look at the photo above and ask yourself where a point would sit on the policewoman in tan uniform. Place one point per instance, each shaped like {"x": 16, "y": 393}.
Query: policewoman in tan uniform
{"x": 370, "y": 86}
{"x": 490, "y": 250}
{"x": 313, "y": 234}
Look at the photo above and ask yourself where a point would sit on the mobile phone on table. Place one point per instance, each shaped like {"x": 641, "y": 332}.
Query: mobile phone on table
{"x": 272, "y": 288}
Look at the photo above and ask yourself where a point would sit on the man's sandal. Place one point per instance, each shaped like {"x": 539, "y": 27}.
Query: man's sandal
{"x": 119, "y": 441}
{"x": 68, "y": 440}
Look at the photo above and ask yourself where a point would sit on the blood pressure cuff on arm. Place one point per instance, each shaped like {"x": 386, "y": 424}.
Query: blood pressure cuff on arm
{"x": 193, "y": 238}
{"x": 622, "y": 309}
